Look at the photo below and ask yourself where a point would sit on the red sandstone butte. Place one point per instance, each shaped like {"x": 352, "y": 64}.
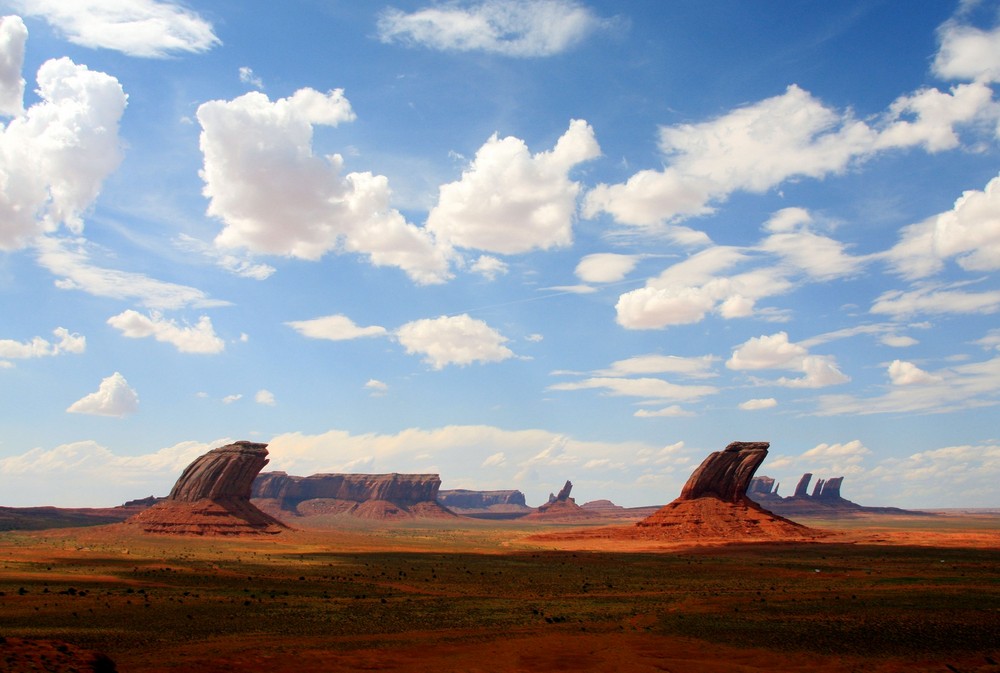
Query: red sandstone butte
{"x": 714, "y": 503}
{"x": 212, "y": 496}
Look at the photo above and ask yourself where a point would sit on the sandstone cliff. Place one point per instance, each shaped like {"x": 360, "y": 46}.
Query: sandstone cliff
{"x": 825, "y": 500}
{"x": 562, "y": 506}
{"x": 212, "y": 496}
{"x": 714, "y": 505}
{"x": 370, "y": 496}
{"x": 485, "y": 504}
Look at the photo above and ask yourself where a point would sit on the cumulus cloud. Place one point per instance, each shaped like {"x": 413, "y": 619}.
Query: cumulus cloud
{"x": 247, "y": 76}
{"x": 757, "y": 147}
{"x": 605, "y": 267}
{"x": 672, "y": 411}
{"x": 509, "y": 201}
{"x": 967, "y": 53}
{"x": 199, "y": 338}
{"x": 519, "y": 28}
{"x": 456, "y": 340}
{"x": 758, "y": 403}
{"x": 55, "y": 155}
{"x": 903, "y": 373}
{"x": 376, "y": 387}
{"x": 775, "y": 351}
{"x": 13, "y": 35}
{"x": 265, "y": 397}
{"x": 648, "y": 388}
{"x": 70, "y": 260}
{"x": 818, "y": 257}
{"x": 274, "y": 196}
{"x": 489, "y": 267}
{"x": 144, "y": 28}
{"x": 114, "y": 397}
{"x": 334, "y": 328}
{"x": 38, "y": 347}
{"x": 969, "y": 233}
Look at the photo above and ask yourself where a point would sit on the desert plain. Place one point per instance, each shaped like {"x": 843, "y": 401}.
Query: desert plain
{"x": 877, "y": 594}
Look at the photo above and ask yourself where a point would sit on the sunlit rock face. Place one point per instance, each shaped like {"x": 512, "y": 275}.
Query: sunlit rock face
{"x": 726, "y": 474}
{"x": 212, "y": 497}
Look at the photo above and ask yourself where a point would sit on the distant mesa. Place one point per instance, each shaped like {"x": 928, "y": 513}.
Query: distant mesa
{"x": 212, "y": 497}
{"x": 366, "y": 496}
{"x": 825, "y": 499}
{"x": 714, "y": 502}
{"x": 508, "y": 504}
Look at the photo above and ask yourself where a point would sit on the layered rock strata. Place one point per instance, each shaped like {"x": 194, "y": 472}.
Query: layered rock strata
{"x": 714, "y": 504}
{"x": 485, "y": 504}
{"x": 369, "y": 496}
{"x": 212, "y": 496}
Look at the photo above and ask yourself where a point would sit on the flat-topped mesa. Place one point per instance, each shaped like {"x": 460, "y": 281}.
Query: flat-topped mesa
{"x": 726, "y": 474}
{"x": 212, "y": 496}
{"x": 403, "y": 489}
{"x": 466, "y": 499}
{"x": 222, "y": 473}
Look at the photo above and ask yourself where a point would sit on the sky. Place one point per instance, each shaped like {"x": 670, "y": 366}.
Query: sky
{"x": 508, "y": 242}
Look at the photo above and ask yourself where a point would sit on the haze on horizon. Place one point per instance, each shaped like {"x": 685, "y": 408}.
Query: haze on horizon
{"x": 509, "y": 242}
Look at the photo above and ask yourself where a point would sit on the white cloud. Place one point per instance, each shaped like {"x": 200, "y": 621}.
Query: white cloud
{"x": 264, "y": 397}
{"x": 898, "y": 340}
{"x": 971, "y": 385}
{"x": 510, "y": 201}
{"x": 38, "y": 347}
{"x": 70, "y": 260}
{"x": 274, "y": 196}
{"x": 240, "y": 265}
{"x": 969, "y": 233}
{"x": 13, "y": 35}
{"x": 692, "y": 367}
{"x": 114, "y": 397}
{"x": 645, "y": 387}
{"x": 819, "y": 257}
{"x": 456, "y": 340}
{"x": 672, "y": 411}
{"x": 757, "y": 147}
{"x": 520, "y": 28}
{"x": 605, "y": 267}
{"x": 145, "y": 28}
{"x": 935, "y": 299}
{"x": 377, "y": 388}
{"x": 758, "y": 403}
{"x": 334, "y": 328}
{"x": 199, "y": 338}
{"x": 991, "y": 341}
{"x": 229, "y": 399}
{"x": 247, "y": 76}
{"x": 903, "y": 373}
{"x": 775, "y": 351}
{"x": 489, "y": 267}
{"x": 497, "y": 459}
{"x": 55, "y": 156}
{"x": 968, "y": 53}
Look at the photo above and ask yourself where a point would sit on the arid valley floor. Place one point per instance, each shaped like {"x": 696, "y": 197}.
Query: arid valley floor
{"x": 881, "y": 594}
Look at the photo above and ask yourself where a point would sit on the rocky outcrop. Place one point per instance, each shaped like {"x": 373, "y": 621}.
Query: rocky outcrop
{"x": 370, "y": 496}
{"x": 726, "y": 474}
{"x": 562, "y": 506}
{"x": 763, "y": 485}
{"x": 34, "y": 654}
{"x": 714, "y": 505}
{"x": 825, "y": 501}
{"x": 212, "y": 496}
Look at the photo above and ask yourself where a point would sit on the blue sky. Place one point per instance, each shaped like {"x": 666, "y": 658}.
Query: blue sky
{"x": 510, "y": 242}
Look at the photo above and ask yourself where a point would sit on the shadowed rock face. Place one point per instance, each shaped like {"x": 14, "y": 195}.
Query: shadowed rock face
{"x": 225, "y": 472}
{"x": 402, "y": 489}
{"x": 726, "y": 474}
{"x": 466, "y": 499}
{"x": 801, "y": 490}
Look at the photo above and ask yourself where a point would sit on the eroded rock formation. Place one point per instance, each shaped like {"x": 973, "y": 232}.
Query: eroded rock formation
{"x": 562, "y": 506}
{"x": 825, "y": 500}
{"x": 212, "y": 496}
{"x": 371, "y": 496}
{"x": 714, "y": 505}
